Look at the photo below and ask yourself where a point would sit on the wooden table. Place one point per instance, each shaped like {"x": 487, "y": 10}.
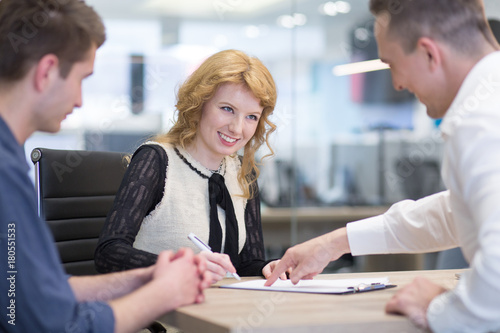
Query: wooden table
{"x": 245, "y": 311}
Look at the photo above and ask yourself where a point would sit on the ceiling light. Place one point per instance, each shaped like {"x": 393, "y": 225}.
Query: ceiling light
{"x": 299, "y": 19}
{"x": 203, "y": 8}
{"x": 328, "y": 8}
{"x": 359, "y": 67}
{"x": 331, "y": 8}
{"x": 291, "y": 21}
{"x": 343, "y": 7}
{"x": 286, "y": 21}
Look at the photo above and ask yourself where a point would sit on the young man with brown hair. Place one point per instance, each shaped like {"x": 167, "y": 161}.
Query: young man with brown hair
{"x": 47, "y": 49}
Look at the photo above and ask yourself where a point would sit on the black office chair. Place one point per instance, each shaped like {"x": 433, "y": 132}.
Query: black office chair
{"x": 76, "y": 189}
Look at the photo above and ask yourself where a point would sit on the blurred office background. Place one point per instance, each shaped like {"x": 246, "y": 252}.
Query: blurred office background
{"x": 342, "y": 140}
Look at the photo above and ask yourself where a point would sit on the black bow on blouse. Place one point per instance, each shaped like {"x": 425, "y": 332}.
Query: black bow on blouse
{"x": 219, "y": 195}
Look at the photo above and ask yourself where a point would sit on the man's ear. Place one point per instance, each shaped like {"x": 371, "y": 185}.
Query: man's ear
{"x": 46, "y": 71}
{"x": 431, "y": 51}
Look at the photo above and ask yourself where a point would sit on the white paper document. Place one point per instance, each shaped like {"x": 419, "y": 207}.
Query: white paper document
{"x": 336, "y": 286}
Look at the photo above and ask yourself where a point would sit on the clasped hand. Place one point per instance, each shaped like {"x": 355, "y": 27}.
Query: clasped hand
{"x": 184, "y": 274}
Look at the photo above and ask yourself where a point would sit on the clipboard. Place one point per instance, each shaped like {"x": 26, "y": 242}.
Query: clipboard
{"x": 317, "y": 286}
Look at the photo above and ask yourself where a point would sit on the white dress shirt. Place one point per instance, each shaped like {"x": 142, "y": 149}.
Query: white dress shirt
{"x": 466, "y": 215}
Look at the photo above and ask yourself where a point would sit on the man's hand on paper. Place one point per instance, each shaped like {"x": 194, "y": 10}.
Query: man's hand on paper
{"x": 308, "y": 259}
{"x": 414, "y": 299}
{"x": 269, "y": 268}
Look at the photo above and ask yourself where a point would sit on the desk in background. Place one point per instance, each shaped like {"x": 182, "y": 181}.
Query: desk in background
{"x": 312, "y": 221}
{"x": 247, "y": 311}
{"x": 315, "y": 221}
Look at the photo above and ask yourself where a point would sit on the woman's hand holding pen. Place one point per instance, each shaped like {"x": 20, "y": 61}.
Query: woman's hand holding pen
{"x": 218, "y": 264}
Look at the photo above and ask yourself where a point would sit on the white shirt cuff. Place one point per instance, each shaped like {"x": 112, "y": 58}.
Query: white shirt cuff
{"x": 367, "y": 236}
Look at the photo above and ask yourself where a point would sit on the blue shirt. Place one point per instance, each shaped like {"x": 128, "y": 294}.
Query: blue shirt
{"x": 35, "y": 295}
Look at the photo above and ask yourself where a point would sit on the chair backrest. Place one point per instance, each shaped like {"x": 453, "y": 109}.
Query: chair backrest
{"x": 76, "y": 190}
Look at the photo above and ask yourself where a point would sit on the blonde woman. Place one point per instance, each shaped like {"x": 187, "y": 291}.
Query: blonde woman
{"x": 191, "y": 179}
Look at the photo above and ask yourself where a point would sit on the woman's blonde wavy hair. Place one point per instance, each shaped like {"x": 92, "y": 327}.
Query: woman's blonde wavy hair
{"x": 229, "y": 66}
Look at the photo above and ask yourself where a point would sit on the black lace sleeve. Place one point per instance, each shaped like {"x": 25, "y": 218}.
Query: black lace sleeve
{"x": 252, "y": 256}
{"x": 141, "y": 190}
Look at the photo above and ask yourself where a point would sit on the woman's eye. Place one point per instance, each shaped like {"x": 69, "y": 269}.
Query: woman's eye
{"x": 227, "y": 108}
{"x": 253, "y": 117}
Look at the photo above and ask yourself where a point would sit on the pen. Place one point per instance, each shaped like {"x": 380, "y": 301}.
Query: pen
{"x": 204, "y": 247}
{"x": 372, "y": 286}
